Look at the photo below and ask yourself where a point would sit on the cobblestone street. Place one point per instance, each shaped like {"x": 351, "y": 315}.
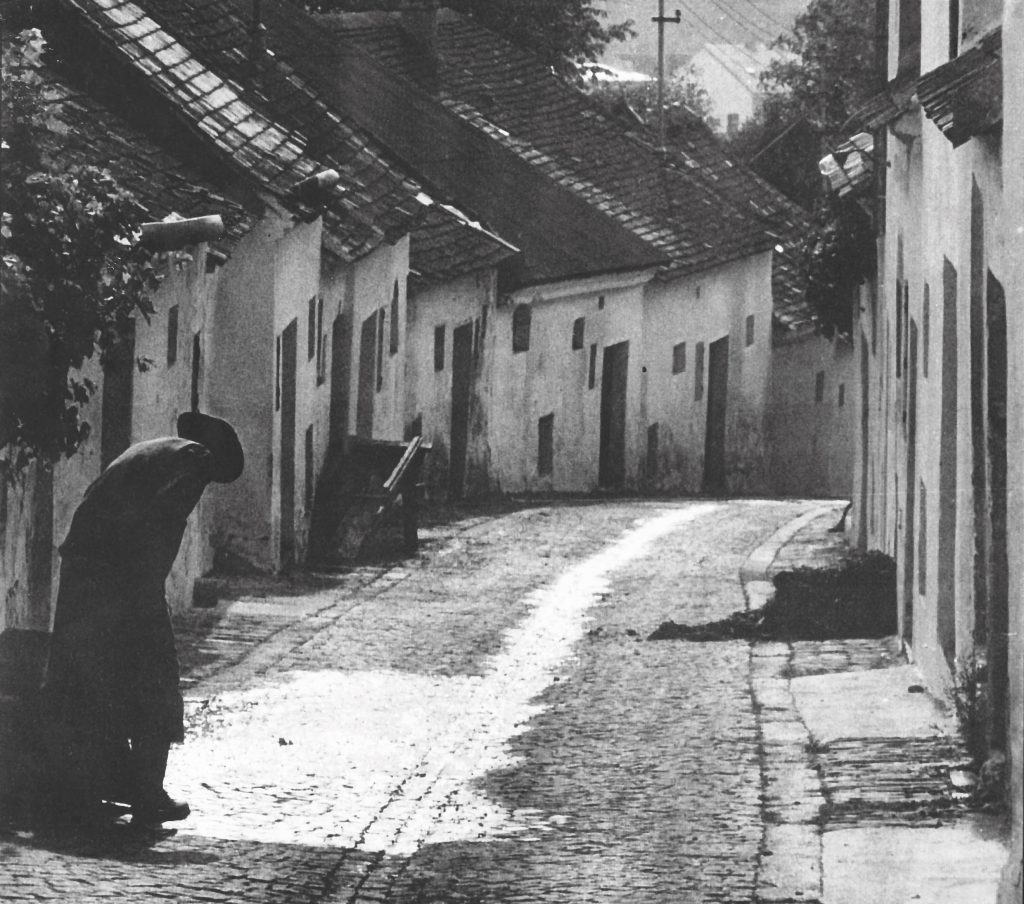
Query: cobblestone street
{"x": 484, "y": 723}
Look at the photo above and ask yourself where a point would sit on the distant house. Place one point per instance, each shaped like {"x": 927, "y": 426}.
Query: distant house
{"x": 731, "y": 75}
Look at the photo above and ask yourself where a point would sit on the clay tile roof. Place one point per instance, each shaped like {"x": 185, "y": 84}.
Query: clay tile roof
{"x": 447, "y": 245}
{"x": 964, "y": 97}
{"x": 694, "y": 205}
{"x": 193, "y": 54}
{"x": 159, "y": 181}
{"x": 560, "y": 234}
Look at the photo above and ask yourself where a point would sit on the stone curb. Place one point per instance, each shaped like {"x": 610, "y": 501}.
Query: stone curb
{"x": 757, "y": 585}
{"x": 790, "y": 862}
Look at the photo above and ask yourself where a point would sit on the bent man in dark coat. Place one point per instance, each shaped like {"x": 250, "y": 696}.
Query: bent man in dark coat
{"x": 111, "y": 687}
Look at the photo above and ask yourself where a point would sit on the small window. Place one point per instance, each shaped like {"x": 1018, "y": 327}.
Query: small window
{"x": 652, "y": 451}
{"x": 600, "y": 302}
{"x": 521, "y": 328}
{"x": 545, "y": 444}
{"x": 819, "y": 386}
{"x": 172, "y": 335}
{"x": 678, "y": 357}
{"x": 578, "y": 326}
{"x": 732, "y": 125}
{"x": 593, "y": 367}
{"x": 309, "y": 468}
{"x": 842, "y": 394}
{"x": 393, "y": 347}
{"x": 698, "y": 372}
{"x": 750, "y": 330}
{"x": 439, "y": 347}
{"x": 311, "y": 330}
{"x": 382, "y": 316}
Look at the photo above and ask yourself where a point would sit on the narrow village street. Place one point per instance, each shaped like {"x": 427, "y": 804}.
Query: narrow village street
{"x": 483, "y": 724}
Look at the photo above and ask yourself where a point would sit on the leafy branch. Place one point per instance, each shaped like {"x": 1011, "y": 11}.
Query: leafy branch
{"x": 72, "y": 271}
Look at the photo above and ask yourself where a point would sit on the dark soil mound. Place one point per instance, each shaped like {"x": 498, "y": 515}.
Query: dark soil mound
{"x": 855, "y": 599}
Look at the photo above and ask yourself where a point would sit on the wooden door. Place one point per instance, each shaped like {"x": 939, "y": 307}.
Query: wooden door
{"x": 910, "y": 525}
{"x": 289, "y": 351}
{"x": 367, "y": 377}
{"x": 462, "y": 372}
{"x": 714, "y": 437}
{"x": 612, "y": 455}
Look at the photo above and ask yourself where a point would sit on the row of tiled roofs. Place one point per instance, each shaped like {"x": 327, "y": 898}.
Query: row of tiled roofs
{"x": 263, "y": 110}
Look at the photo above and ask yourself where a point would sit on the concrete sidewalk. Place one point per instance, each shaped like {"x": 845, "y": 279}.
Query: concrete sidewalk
{"x": 858, "y": 801}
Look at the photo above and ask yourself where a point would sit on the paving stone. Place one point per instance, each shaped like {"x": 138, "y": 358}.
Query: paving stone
{"x": 460, "y": 730}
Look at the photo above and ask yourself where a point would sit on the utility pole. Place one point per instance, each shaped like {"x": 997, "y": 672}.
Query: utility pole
{"x": 661, "y": 19}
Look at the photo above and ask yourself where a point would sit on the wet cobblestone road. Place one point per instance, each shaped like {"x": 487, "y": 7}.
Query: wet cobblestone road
{"x": 482, "y": 724}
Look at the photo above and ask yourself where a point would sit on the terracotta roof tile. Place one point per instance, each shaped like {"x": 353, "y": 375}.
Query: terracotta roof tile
{"x": 964, "y": 97}
{"x": 188, "y": 52}
{"x": 161, "y": 183}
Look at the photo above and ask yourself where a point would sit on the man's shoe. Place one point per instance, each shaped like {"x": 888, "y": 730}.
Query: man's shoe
{"x": 163, "y": 809}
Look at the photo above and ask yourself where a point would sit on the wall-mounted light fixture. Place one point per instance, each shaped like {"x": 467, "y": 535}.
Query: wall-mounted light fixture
{"x": 176, "y": 233}
{"x": 314, "y": 189}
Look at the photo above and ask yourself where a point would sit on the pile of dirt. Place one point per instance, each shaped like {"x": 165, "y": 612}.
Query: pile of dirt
{"x": 854, "y": 599}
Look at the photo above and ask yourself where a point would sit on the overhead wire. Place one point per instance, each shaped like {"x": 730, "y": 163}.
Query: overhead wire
{"x": 776, "y": 23}
{"x": 746, "y": 24}
{"x": 722, "y": 38}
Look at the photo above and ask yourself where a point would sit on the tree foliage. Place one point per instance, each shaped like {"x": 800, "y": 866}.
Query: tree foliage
{"x": 810, "y": 96}
{"x": 839, "y": 256}
{"x": 563, "y": 33}
{"x": 73, "y": 274}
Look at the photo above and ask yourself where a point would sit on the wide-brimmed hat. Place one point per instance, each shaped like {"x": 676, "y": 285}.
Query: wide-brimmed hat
{"x": 220, "y": 438}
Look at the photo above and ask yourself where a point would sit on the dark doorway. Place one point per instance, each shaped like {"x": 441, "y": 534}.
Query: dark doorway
{"x": 289, "y": 351}
{"x": 116, "y": 414}
{"x": 998, "y": 570}
{"x": 612, "y": 461}
{"x": 714, "y": 439}
{"x": 946, "y": 615}
{"x": 462, "y": 372}
{"x": 367, "y": 377}
{"x": 341, "y": 342}
{"x": 40, "y": 547}
{"x": 910, "y": 488}
{"x": 865, "y": 427}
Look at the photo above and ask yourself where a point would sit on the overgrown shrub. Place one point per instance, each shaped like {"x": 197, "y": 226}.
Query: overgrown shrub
{"x": 855, "y": 599}
{"x": 72, "y": 270}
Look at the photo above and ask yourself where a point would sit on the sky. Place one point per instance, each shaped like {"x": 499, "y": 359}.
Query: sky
{"x": 703, "y": 21}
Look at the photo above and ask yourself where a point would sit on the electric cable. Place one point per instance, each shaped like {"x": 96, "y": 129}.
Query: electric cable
{"x": 722, "y": 38}
{"x": 747, "y": 25}
{"x": 775, "y": 22}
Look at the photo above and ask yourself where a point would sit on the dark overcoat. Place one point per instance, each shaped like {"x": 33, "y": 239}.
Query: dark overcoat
{"x": 113, "y": 670}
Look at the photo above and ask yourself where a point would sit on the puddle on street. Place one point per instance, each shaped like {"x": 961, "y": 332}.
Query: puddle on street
{"x": 384, "y": 760}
